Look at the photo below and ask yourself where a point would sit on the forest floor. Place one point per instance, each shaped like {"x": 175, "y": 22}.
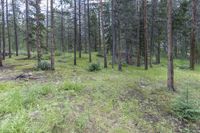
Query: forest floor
{"x": 71, "y": 99}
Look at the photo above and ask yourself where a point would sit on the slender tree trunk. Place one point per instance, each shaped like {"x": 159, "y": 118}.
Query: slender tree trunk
{"x": 75, "y": 32}
{"x": 102, "y": 35}
{"x": 85, "y": 27}
{"x": 15, "y": 28}
{"x": 1, "y": 63}
{"x": 113, "y": 34}
{"x": 3, "y": 28}
{"x": 80, "y": 26}
{"x": 38, "y": 40}
{"x": 158, "y": 54}
{"x": 193, "y": 35}
{"x": 8, "y": 30}
{"x": 145, "y": 35}
{"x": 170, "y": 82}
{"x": 99, "y": 31}
{"x": 27, "y": 31}
{"x": 47, "y": 26}
{"x": 154, "y": 7}
{"x": 89, "y": 35}
{"x": 62, "y": 27}
{"x": 52, "y": 37}
{"x": 119, "y": 48}
{"x": 138, "y": 35}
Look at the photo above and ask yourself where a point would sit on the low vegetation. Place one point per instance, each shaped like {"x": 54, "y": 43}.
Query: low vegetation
{"x": 70, "y": 99}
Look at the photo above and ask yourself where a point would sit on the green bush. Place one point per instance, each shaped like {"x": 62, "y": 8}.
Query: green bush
{"x": 58, "y": 53}
{"x": 44, "y": 65}
{"x": 94, "y": 67}
{"x": 67, "y": 86}
{"x": 185, "y": 108}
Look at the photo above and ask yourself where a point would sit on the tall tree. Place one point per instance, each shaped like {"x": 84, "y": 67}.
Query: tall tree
{"x": 47, "y": 25}
{"x": 138, "y": 14}
{"x": 15, "y": 27}
{"x": 80, "y": 26}
{"x": 113, "y": 33}
{"x": 89, "y": 34}
{"x": 145, "y": 35}
{"x": 193, "y": 35}
{"x": 154, "y": 7}
{"x": 75, "y": 32}
{"x": 52, "y": 37}
{"x": 85, "y": 27}
{"x": 38, "y": 30}
{"x": 27, "y": 31}
{"x": 3, "y": 28}
{"x": 170, "y": 82}
{"x": 102, "y": 34}
{"x": 8, "y": 29}
{"x": 62, "y": 26}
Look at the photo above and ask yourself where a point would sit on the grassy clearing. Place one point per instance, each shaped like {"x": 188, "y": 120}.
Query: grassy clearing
{"x": 71, "y": 99}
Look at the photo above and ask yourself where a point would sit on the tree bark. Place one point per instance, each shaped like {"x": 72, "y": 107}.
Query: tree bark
{"x": 8, "y": 30}
{"x": 27, "y": 31}
{"x": 102, "y": 35}
{"x": 89, "y": 35}
{"x": 193, "y": 35}
{"x": 80, "y": 26}
{"x": 170, "y": 82}
{"x": 15, "y": 28}
{"x": 138, "y": 35}
{"x": 52, "y": 37}
{"x": 47, "y": 26}
{"x": 75, "y": 32}
{"x": 154, "y": 7}
{"x": 62, "y": 27}
{"x": 85, "y": 27}
{"x": 145, "y": 35}
{"x": 38, "y": 40}
{"x": 113, "y": 33}
{"x": 3, "y": 28}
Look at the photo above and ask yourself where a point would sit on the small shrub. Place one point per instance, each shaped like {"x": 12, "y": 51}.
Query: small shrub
{"x": 46, "y": 57}
{"x": 57, "y": 53}
{"x": 186, "y": 109}
{"x": 44, "y": 65}
{"x": 94, "y": 67}
{"x": 71, "y": 86}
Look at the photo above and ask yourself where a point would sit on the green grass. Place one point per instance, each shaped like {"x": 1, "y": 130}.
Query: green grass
{"x": 71, "y": 99}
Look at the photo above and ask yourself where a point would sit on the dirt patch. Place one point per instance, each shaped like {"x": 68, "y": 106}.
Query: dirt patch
{"x": 151, "y": 118}
{"x": 132, "y": 93}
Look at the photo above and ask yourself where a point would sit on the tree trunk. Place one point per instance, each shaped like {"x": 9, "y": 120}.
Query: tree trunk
{"x": 99, "y": 31}
{"x": 113, "y": 34}
{"x": 38, "y": 40}
{"x": 80, "y": 26}
{"x": 138, "y": 36}
{"x": 193, "y": 35}
{"x": 75, "y": 32}
{"x": 102, "y": 35}
{"x": 62, "y": 27}
{"x": 85, "y": 27}
{"x": 170, "y": 83}
{"x": 145, "y": 35}
{"x": 27, "y": 31}
{"x": 15, "y": 28}
{"x": 158, "y": 54}
{"x": 3, "y": 28}
{"x": 52, "y": 38}
{"x": 8, "y": 30}
{"x": 47, "y": 26}
{"x": 89, "y": 40}
{"x": 154, "y": 7}
{"x": 119, "y": 48}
